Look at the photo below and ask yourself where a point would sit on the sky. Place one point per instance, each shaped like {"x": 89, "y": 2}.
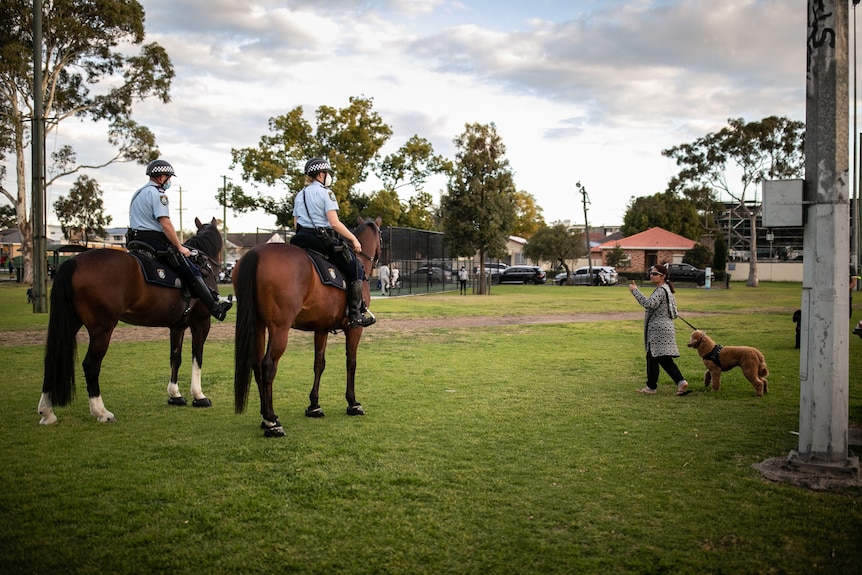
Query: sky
{"x": 587, "y": 91}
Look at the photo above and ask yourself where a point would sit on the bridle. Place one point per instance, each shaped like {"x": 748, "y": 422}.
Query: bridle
{"x": 376, "y": 257}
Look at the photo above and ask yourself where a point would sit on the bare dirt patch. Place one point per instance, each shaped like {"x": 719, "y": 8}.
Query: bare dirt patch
{"x": 225, "y": 332}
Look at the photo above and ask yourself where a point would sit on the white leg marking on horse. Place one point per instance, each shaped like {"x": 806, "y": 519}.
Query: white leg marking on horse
{"x": 174, "y": 389}
{"x": 97, "y": 410}
{"x": 196, "y": 390}
{"x": 46, "y": 410}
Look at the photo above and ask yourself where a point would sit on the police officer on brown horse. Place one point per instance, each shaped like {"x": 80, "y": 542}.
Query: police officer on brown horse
{"x": 315, "y": 214}
{"x": 150, "y": 222}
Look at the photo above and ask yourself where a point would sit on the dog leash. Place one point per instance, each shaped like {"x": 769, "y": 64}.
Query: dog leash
{"x": 670, "y": 313}
{"x": 686, "y": 323}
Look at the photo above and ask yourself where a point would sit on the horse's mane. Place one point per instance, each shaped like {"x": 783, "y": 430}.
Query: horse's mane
{"x": 361, "y": 227}
{"x": 207, "y": 240}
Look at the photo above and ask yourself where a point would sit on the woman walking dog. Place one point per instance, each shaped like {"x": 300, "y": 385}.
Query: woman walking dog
{"x": 659, "y": 332}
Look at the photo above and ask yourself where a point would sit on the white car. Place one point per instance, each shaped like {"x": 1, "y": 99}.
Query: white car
{"x": 602, "y": 276}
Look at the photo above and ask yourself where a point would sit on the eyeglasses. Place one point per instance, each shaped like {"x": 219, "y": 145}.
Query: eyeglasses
{"x": 656, "y": 273}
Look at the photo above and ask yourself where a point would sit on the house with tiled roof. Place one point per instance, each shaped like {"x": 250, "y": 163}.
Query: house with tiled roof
{"x": 650, "y": 247}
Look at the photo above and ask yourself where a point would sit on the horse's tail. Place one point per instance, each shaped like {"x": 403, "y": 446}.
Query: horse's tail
{"x": 62, "y": 344}
{"x": 246, "y": 354}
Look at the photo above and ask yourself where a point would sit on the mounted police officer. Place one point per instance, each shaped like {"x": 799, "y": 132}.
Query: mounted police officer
{"x": 150, "y": 222}
{"x": 315, "y": 215}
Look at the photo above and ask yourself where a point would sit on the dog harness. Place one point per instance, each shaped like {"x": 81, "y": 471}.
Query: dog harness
{"x": 713, "y": 356}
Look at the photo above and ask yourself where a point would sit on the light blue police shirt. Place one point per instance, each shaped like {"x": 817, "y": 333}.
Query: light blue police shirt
{"x": 148, "y": 204}
{"x": 318, "y": 200}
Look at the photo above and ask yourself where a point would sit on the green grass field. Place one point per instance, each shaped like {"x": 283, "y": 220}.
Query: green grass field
{"x": 505, "y": 449}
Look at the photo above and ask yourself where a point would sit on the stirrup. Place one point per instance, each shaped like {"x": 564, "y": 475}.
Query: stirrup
{"x": 362, "y": 320}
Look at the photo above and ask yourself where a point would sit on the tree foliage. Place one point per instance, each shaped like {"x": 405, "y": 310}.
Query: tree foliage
{"x": 772, "y": 148}
{"x": 664, "y": 210}
{"x": 85, "y": 44}
{"x": 556, "y": 245}
{"x": 8, "y": 217}
{"x": 349, "y": 138}
{"x": 700, "y": 256}
{"x": 478, "y": 208}
{"x": 83, "y": 211}
{"x": 528, "y": 215}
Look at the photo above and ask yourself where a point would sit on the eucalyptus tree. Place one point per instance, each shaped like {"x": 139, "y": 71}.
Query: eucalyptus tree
{"x": 772, "y": 148}
{"x": 84, "y": 45}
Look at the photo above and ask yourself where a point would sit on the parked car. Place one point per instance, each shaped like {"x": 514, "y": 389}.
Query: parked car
{"x": 492, "y": 270}
{"x": 522, "y": 275}
{"x": 602, "y": 275}
{"x": 687, "y": 273}
{"x": 433, "y": 275}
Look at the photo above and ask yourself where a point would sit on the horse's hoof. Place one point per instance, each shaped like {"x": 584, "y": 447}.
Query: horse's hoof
{"x": 181, "y": 401}
{"x": 50, "y": 419}
{"x": 355, "y": 410}
{"x": 316, "y": 412}
{"x": 202, "y": 402}
{"x": 277, "y": 431}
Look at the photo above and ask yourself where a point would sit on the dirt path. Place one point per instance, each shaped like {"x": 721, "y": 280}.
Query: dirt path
{"x": 224, "y": 332}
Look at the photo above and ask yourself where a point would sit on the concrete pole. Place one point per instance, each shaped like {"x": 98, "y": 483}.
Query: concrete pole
{"x": 39, "y": 201}
{"x": 824, "y": 357}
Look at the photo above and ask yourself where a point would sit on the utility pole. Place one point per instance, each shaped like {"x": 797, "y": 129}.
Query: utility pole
{"x": 224, "y": 222}
{"x": 180, "y": 231}
{"x": 586, "y": 200}
{"x": 824, "y": 359}
{"x": 38, "y": 217}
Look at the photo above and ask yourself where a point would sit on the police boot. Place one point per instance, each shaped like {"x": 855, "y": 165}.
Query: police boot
{"x": 356, "y": 307}
{"x": 217, "y": 308}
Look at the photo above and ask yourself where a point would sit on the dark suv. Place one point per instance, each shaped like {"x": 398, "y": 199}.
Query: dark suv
{"x": 686, "y": 273}
{"x": 522, "y": 275}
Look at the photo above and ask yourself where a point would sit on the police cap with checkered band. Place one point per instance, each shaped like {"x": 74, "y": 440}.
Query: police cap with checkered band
{"x": 160, "y": 168}
{"x": 317, "y": 165}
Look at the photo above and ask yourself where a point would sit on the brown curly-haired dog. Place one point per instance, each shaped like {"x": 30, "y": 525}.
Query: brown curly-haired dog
{"x": 718, "y": 358}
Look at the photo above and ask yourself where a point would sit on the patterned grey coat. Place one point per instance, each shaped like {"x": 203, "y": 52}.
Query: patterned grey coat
{"x": 659, "y": 332}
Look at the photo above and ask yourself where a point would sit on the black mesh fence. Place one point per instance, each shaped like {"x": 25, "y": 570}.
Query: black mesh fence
{"x": 424, "y": 264}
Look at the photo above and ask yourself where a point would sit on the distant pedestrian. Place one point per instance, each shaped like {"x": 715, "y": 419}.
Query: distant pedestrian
{"x": 462, "y": 279}
{"x": 385, "y": 277}
{"x": 393, "y": 279}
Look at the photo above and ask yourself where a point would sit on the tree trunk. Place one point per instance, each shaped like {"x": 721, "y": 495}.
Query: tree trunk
{"x": 24, "y": 229}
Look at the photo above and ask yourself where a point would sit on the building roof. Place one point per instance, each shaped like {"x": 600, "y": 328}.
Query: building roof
{"x": 651, "y": 239}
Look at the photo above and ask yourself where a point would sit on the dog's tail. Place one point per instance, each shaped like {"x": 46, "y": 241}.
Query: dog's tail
{"x": 761, "y": 369}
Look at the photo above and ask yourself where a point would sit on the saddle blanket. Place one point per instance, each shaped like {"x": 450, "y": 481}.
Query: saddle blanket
{"x": 329, "y": 274}
{"x": 156, "y": 272}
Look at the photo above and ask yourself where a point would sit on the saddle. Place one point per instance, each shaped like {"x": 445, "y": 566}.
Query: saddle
{"x": 155, "y": 271}
{"x": 329, "y": 274}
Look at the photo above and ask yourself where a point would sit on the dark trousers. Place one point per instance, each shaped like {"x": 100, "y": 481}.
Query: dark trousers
{"x": 308, "y": 240}
{"x": 186, "y": 269}
{"x": 667, "y": 364}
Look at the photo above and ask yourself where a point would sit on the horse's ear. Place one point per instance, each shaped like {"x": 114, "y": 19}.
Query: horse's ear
{"x": 214, "y": 223}
{"x": 360, "y": 220}
{"x": 378, "y": 221}
{"x": 198, "y": 223}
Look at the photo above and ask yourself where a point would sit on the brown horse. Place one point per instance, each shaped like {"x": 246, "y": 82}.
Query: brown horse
{"x": 277, "y": 288}
{"x": 99, "y": 288}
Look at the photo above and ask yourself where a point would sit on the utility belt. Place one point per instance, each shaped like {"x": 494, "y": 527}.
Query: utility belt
{"x": 331, "y": 239}
{"x": 145, "y": 235}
